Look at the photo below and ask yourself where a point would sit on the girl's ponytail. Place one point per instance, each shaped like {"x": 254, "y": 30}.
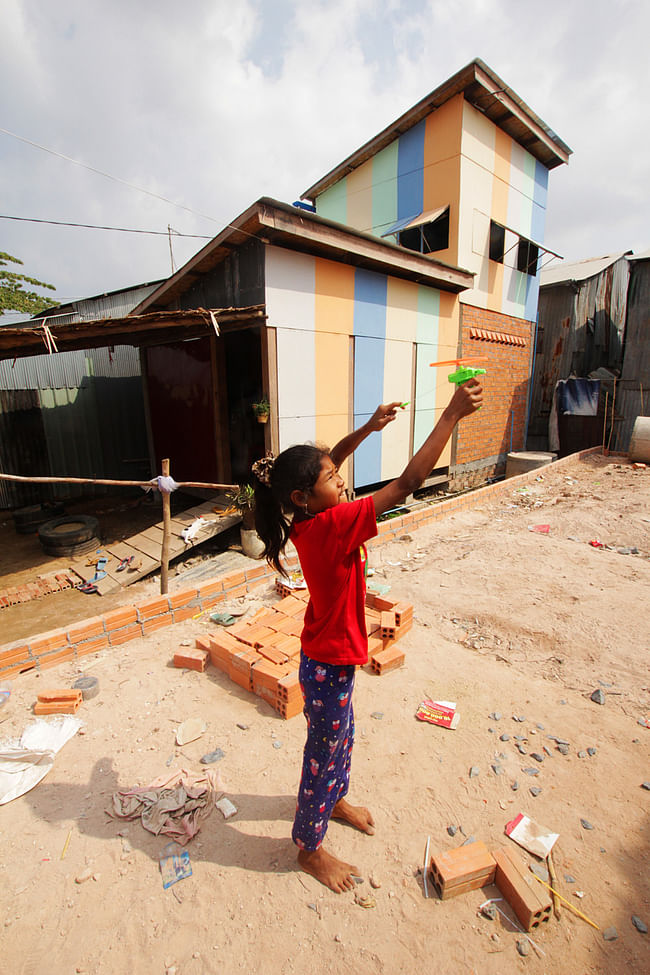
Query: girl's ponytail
{"x": 296, "y": 468}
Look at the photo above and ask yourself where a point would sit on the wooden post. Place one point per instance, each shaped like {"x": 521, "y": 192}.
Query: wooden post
{"x": 605, "y": 421}
{"x": 167, "y": 527}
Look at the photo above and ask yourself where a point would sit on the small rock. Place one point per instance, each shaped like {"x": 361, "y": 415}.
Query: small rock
{"x": 504, "y": 737}
{"x": 497, "y": 769}
{"x": 521, "y": 749}
{"x": 610, "y": 934}
{"x": 645, "y": 785}
{"x": 277, "y": 744}
{"x": 639, "y": 924}
{"x": 366, "y": 900}
{"x": 532, "y": 732}
{"x": 531, "y": 771}
{"x": 540, "y": 727}
{"x": 535, "y": 790}
{"x": 338, "y": 938}
{"x": 515, "y": 786}
{"x": 548, "y": 751}
{"x": 489, "y": 911}
{"x": 523, "y": 947}
{"x": 474, "y": 771}
{"x": 540, "y": 871}
{"x": 82, "y": 877}
{"x": 562, "y": 741}
{"x": 452, "y": 830}
{"x": 495, "y": 716}
{"x": 537, "y": 756}
{"x": 242, "y": 727}
{"x": 568, "y": 879}
{"x": 563, "y": 749}
{"x": 585, "y": 824}
{"x": 598, "y": 696}
{"x": 374, "y": 882}
{"x": 582, "y": 753}
{"x": 491, "y": 731}
{"x": 591, "y": 752}
{"x": 495, "y": 937}
{"x": 377, "y": 715}
{"x": 211, "y": 757}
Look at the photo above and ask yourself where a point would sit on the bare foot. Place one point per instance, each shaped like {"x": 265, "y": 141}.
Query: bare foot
{"x": 357, "y": 816}
{"x": 331, "y": 871}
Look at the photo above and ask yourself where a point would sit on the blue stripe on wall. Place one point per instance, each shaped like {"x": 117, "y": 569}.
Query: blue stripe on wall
{"x": 540, "y": 193}
{"x": 532, "y": 293}
{"x": 370, "y": 290}
{"x": 368, "y": 394}
{"x": 410, "y": 172}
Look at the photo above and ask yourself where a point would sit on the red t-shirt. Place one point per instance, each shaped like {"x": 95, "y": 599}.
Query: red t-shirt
{"x": 329, "y": 548}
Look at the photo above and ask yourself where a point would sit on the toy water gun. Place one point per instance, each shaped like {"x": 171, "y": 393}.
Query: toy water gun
{"x": 463, "y": 371}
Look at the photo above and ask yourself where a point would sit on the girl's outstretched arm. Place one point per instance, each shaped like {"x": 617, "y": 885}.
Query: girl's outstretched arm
{"x": 465, "y": 401}
{"x": 384, "y": 414}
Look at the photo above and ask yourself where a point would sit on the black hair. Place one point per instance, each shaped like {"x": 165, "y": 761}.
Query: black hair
{"x": 295, "y": 469}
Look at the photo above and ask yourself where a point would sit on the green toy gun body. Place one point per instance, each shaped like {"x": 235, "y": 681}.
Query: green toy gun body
{"x": 463, "y": 374}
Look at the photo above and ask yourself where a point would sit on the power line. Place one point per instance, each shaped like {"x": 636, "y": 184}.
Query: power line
{"x": 100, "y": 172}
{"x": 93, "y": 226}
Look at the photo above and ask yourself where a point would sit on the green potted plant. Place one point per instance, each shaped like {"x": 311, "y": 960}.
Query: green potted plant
{"x": 243, "y": 500}
{"x": 261, "y": 409}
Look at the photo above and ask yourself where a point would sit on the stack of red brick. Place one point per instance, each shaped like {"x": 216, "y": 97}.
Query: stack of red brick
{"x": 262, "y": 655}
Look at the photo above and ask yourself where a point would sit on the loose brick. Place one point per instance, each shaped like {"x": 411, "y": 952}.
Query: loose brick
{"x": 210, "y": 588}
{"x": 388, "y": 625}
{"x": 61, "y": 701}
{"x": 270, "y": 653}
{"x": 375, "y": 646}
{"x": 191, "y": 659}
{"x": 527, "y": 898}
{"x": 464, "y": 868}
{"x": 290, "y": 606}
{"x": 390, "y": 658}
{"x": 289, "y": 686}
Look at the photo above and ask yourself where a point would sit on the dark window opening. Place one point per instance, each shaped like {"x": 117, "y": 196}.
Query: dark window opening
{"x": 428, "y": 237}
{"x": 527, "y": 257}
{"x": 497, "y": 242}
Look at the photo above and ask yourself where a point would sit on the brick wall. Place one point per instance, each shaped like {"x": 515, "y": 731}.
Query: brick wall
{"x": 484, "y": 441}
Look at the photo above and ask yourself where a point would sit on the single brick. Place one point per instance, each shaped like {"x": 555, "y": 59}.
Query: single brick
{"x": 272, "y": 654}
{"x": 290, "y": 606}
{"x": 157, "y": 623}
{"x": 180, "y": 599}
{"x": 528, "y": 899}
{"x": 48, "y": 642}
{"x": 388, "y": 625}
{"x": 375, "y": 646}
{"x": 390, "y": 658}
{"x": 210, "y": 588}
{"x": 14, "y": 652}
{"x": 233, "y": 581}
{"x": 92, "y": 646}
{"x": 152, "y": 607}
{"x": 191, "y": 659}
{"x": 464, "y": 868}
{"x": 124, "y": 634}
{"x": 117, "y": 618}
{"x": 55, "y": 657}
{"x": 186, "y": 613}
{"x": 289, "y": 709}
{"x": 86, "y": 630}
{"x": 259, "y": 572}
{"x": 208, "y": 601}
{"x": 289, "y": 687}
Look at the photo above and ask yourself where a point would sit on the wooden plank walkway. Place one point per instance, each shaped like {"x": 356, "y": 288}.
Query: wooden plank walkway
{"x": 145, "y": 547}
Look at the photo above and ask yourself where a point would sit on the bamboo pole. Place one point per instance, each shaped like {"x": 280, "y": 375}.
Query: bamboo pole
{"x": 167, "y": 527}
{"x": 553, "y": 876}
{"x": 605, "y": 421}
{"x": 112, "y": 483}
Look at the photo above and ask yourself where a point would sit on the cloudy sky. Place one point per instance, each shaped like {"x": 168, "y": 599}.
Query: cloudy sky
{"x": 211, "y": 104}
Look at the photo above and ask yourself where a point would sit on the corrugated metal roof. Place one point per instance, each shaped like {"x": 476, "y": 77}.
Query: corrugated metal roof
{"x": 643, "y": 256}
{"x": 578, "y": 270}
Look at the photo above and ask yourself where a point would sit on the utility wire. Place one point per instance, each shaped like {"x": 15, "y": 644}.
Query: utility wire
{"x": 93, "y": 226}
{"x": 100, "y": 172}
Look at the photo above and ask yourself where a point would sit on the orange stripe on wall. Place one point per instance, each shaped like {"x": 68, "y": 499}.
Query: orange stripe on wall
{"x": 442, "y": 145}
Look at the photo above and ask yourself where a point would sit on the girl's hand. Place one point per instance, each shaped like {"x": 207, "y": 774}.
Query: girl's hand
{"x": 466, "y": 400}
{"x": 385, "y": 413}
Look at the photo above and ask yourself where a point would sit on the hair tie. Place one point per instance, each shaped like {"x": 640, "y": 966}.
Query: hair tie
{"x": 262, "y": 468}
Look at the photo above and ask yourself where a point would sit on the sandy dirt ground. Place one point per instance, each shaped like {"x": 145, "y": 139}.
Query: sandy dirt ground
{"x": 507, "y": 620}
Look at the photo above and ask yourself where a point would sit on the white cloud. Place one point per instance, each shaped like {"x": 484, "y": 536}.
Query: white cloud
{"x": 215, "y": 104}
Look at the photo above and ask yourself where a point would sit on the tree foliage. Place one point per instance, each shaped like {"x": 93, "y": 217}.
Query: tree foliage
{"x": 13, "y": 295}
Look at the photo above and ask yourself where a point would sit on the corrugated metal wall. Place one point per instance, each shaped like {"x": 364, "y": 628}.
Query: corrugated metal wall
{"x": 633, "y": 388}
{"x": 581, "y": 327}
{"x": 75, "y": 414}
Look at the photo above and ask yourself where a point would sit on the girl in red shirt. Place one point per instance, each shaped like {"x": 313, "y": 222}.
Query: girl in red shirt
{"x": 300, "y": 495}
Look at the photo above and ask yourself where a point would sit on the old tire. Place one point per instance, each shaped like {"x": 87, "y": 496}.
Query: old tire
{"x": 69, "y": 536}
{"x": 27, "y": 520}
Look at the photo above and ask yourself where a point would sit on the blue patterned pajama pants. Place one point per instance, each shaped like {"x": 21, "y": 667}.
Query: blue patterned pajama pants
{"x": 327, "y": 691}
